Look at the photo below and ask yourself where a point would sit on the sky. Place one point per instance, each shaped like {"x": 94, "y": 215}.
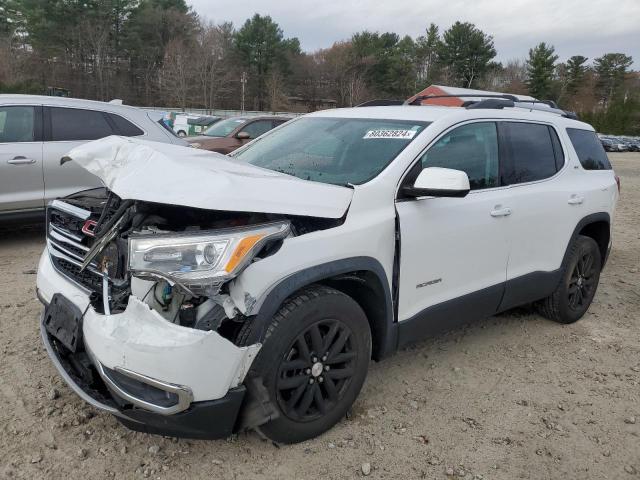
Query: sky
{"x": 575, "y": 27}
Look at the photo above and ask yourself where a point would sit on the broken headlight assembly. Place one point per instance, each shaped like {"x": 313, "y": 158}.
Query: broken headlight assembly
{"x": 200, "y": 261}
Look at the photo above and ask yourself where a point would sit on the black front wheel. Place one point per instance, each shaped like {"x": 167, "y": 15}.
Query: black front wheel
{"x": 313, "y": 362}
{"x": 580, "y": 277}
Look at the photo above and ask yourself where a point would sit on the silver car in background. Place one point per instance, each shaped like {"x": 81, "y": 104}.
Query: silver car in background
{"x": 37, "y": 131}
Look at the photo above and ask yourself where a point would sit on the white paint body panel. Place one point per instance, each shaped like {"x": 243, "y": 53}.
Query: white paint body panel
{"x": 176, "y": 175}
{"x": 454, "y": 242}
{"x": 139, "y": 339}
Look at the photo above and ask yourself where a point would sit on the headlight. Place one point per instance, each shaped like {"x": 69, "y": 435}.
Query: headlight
{"x": 200, "y": 260}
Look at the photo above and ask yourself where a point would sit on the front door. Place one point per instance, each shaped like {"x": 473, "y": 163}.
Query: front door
{"x": 21, "y": 183}
{"x": 454, "y": 251}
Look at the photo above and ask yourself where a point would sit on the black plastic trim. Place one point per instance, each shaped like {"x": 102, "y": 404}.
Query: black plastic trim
{"x": 415, "y": 192}
{"x": 593, "y": 218}
{"x": 450, "y": 314}
{"x": 23, "y": 217}
{"x": 38, "y": 123}
{"x": 209, "y": 420}
{"x": 325, "y": 271}
{"x": 529, "y": 288}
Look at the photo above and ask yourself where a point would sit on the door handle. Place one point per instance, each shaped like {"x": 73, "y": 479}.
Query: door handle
{"x": 575, "y": 199}
{"x": 20, "y": 160}
{"x": 501, "y": 212}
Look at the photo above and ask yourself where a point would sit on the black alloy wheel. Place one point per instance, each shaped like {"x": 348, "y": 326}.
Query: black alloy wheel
{"x": 313, "y": 362}
{"x": 582, "y": 283}
{"x": 580, "y": 274}
{"x": 316, "y": 371}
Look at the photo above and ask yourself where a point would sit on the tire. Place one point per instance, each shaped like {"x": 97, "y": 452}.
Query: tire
{"x": 578, "y": 284}
{"x": 182, "y": 133}
{"x": 313, "y": 362}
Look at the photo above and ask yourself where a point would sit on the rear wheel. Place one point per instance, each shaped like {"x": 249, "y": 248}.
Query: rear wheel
{"x": 313, "y": 362}
{"x": 580, "y": 277}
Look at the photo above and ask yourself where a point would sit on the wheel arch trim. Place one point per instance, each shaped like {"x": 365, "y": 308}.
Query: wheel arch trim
{"x": 327, "y": 271}
{"x": 582, "y": 224}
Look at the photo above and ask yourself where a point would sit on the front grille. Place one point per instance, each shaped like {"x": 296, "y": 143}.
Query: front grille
{"x": 68, "y": 245}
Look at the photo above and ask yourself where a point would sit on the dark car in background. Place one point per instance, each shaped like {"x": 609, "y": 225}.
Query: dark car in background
{"x": 633, "y": 144}
{"x": 227, "y": 135}
{"x": 608, "y": 145}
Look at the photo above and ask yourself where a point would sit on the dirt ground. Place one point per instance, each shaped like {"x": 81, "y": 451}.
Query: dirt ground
{"x": 514, "y": 396}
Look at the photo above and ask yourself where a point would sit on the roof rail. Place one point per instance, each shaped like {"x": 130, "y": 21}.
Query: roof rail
{"x": 381, "y": 102}
{"x": 420, "y": 98}
{"x": 500, "y": 101}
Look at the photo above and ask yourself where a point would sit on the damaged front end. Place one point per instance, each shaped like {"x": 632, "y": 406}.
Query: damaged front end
{"x": 139, "y": 320}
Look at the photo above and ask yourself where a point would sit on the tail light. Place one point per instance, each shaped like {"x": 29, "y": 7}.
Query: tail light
{"x": 618, "y": 182}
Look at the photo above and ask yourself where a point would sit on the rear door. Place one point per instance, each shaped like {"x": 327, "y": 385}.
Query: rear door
{"x": 547, "y": 202}
{"x": 66, "y": 128}
{"x": 21, "y": 182}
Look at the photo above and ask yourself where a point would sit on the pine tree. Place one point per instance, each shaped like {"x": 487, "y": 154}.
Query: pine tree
{"x": 576, "y": 70}
{"x": 467, "y": 52}
{"x": 540, "y": 69}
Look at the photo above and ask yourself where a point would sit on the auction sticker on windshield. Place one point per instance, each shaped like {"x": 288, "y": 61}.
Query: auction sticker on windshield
{"x": 399, "y": 134}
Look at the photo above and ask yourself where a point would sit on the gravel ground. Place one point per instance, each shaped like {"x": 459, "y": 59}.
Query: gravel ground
{"x": 514, "y": 396}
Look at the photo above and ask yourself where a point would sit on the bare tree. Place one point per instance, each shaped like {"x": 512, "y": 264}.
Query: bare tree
{"x": 94, "y": 40}
{"x": 176, "y": 73}
{"x": 212, "y": 63}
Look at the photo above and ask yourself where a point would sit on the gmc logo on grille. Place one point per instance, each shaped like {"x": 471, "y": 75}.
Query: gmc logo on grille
{"x": 89, "y": 228}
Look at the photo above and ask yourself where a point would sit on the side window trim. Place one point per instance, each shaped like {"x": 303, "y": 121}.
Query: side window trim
{"x": 46, "y": 124}
{"x": 114, "y": 129}
{"x": 411, "y": 169}
{"x": 556, "y": 143}
{"x": 39, "y": 124}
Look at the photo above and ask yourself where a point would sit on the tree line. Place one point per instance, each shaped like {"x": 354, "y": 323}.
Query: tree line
{"x": 161, "y": 53}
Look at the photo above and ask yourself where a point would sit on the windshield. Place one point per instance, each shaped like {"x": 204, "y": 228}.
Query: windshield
{"x": 224, "y": 127}
{"x": 339, "y": 151}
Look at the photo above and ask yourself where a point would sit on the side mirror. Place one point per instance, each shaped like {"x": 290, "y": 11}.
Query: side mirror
{"x": 243, "y": 136}
{"x": 439, "y": 182}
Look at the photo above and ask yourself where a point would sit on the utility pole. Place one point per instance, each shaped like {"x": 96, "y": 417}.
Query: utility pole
{"x": 243, "y": 80}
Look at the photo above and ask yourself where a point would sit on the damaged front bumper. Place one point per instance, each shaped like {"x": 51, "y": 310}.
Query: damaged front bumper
{"x": 153, "y": 375}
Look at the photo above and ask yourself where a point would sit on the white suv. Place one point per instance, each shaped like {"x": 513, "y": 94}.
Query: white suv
{"x": 196, "y": 295}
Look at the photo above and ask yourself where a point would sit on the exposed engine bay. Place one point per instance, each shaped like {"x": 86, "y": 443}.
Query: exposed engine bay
{"x": 178, "y": 260}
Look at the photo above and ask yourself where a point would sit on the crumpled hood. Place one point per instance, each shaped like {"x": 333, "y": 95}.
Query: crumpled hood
{"x": 156, "y": 172}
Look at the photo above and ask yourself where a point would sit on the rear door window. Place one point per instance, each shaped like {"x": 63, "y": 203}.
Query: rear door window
{"x": 589, "y": 149}
{"x": 77, "y": 124}
{"x": 530, "y": 153}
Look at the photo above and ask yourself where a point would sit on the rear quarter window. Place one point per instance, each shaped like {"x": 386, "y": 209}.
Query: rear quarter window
{"x": 125, "y": 127}
{"x": 589, "y": 149}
